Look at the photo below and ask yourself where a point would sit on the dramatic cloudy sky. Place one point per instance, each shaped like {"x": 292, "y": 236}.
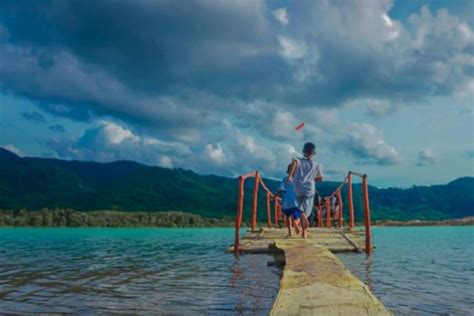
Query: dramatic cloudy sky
{"x": 384, "y": 87}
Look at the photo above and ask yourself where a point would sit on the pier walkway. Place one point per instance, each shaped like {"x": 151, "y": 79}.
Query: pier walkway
{"x": 314, "y": 281}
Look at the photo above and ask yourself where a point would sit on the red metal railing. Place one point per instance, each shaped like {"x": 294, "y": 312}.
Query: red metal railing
{"x": 240, "y": 206}
{"x": 326, "y": 202}
{"x": 365, "y": 194}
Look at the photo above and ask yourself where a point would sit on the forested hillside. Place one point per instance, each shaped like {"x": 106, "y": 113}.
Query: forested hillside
{"x": 37, "y": 183}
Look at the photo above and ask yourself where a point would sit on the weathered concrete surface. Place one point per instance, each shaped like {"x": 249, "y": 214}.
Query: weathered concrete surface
{"x": 333, "y": 239}
{"x": 315, "y": 282}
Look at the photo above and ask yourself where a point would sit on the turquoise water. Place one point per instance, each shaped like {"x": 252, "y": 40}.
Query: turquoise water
{"x": 131, "y": 271}
{"x": 423, "y": 270}
{"x": 420, "y": 270}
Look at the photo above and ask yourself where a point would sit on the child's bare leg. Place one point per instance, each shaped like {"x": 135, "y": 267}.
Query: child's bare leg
{"x": 287, "y": 220}
{"x": 297, "y": 225}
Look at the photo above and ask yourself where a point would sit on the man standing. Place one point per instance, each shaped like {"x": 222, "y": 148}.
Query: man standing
{"x": 304, "y": 172}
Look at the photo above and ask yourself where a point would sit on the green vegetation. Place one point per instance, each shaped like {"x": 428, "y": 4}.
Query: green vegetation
{"x": 34, "y": 184}
{"x": 70, "y": 218}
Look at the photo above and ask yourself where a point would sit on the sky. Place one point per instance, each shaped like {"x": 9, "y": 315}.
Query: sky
{"x": 384, "y": 87}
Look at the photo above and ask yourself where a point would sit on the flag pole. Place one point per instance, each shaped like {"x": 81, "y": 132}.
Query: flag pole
{"x": 304, "y": 134}
{"x": 301, "y": 126}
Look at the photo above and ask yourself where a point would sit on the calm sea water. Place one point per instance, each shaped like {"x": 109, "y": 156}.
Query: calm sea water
{"x": 131, "y": 271}
{"x": 420, "y": 270}
{"x": 423, "y": 270}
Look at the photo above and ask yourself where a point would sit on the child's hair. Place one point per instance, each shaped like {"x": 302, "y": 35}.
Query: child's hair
{"x": 309, "y": 148}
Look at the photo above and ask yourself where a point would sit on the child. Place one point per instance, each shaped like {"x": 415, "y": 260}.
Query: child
{"x": 288, "y": 202}
{"x": 303, "y": 173}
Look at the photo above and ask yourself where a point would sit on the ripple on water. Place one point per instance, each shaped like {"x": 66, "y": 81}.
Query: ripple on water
{"x": 422, "y": 271}
{"x": 419, "y": 270}
{"x": 176, "y": 271}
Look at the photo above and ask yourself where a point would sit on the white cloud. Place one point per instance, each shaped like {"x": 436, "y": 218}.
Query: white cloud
{"x": 165, "y": 162}
{"x": 361, "y": 142}
{"x": 252, "y": 149}
{"x": 291, "y": 48}
{"x": 215, "y": 153}
{"x": 444, "y": 46}
{"x": 281, "y": 126}
{"x": 108, "y": 141}
{"x": 244, "y": 153}
{"x": 326, "y": 118}
{"x": 264, "y": 77}
{"x": 13, "y": 149}
{"x": 376, "y": 107}
{"x": 467, "y": 89}
{"x": 285, "y": 153}
{"x": 115, "y": 134}
{"x": 366, "y": 144}
{"x": 281, "y": 15}
{"x": 379, "y": 107}
{"x": 427, "y": 157}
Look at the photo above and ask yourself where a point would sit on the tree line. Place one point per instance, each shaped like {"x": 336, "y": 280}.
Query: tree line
{"x": 72, "y": 218}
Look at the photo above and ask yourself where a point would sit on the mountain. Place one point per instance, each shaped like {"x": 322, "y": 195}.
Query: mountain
{"x": 6, "y": 155}
{"x": 37, "y": 183}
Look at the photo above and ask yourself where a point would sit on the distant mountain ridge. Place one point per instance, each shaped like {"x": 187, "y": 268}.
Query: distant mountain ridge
{"x": 37, "y": 183}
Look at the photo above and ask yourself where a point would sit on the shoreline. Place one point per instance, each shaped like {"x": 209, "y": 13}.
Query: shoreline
{"x": 466, "y": 221}
{"x": 171, "y": 219}
{"x": 107, "y": 218}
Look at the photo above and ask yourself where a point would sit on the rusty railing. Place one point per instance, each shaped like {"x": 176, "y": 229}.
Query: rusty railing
{"x": 320, "y": 222}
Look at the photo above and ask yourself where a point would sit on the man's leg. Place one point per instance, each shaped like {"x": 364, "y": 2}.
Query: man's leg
{"x": 305, "y": 225}
{"x": 307, "y": 207}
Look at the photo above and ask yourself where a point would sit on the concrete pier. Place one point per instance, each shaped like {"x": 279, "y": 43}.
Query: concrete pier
{"x": 315, "y": 281}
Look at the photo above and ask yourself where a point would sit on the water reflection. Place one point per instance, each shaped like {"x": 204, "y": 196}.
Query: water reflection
{"x": 148, "y": 271}
{"x": 368, "y": 271}
{"x": 419, "y": 270}
{"x": 235, "y": 269}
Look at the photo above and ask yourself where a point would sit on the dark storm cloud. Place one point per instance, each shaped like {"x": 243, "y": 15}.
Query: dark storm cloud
{"x": 135, "y": 58}
{"x": 57, "y": 128}
{"x": 160, "y": 46}
{"x": 33, "y": 117}
{"x": 184, "y": 67}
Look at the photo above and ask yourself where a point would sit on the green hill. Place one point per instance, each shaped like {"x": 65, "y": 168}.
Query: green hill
{"x": 37, "y": 183}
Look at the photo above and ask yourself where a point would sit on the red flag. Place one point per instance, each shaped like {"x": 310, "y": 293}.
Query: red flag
{"x": 299, "y": 126}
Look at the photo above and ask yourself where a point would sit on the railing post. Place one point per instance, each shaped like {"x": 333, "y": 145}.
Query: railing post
{"x": 320, "y": 214}
{"x": 238, "y": 217}
{"x": 279, "y": 209}
{"x": 315, "y": 216}
{"x": 276, "y": 211}
{"x": 350, "y": 202}
{"x": 254, "y": 202}
{"x": 269, "y": 215}
{"x": 328, "y": 212}
{"x": 339, "y": 201}
{"x": 368, "y": 241}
